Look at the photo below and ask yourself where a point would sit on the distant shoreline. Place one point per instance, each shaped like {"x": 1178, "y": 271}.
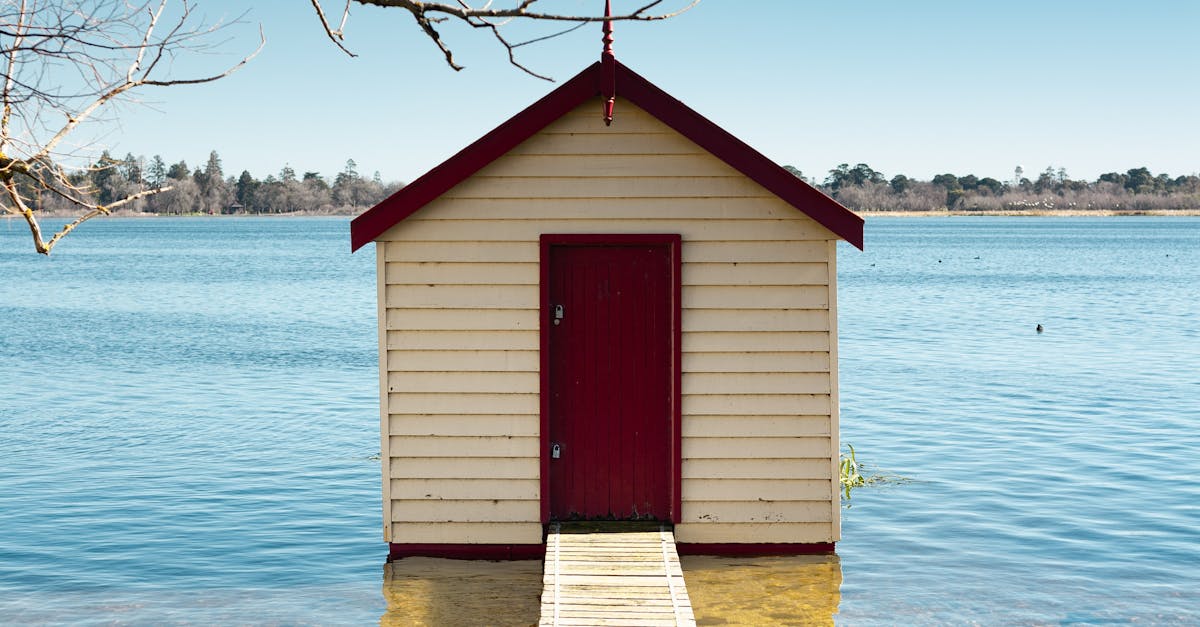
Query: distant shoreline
{"x": 1032, "y": 213}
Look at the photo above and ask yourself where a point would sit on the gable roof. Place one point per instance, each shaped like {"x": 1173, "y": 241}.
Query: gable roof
{"x": 641, "y": 92}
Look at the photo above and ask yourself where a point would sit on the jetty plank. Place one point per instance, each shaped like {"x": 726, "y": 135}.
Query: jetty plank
{"x": 607, "y": 577}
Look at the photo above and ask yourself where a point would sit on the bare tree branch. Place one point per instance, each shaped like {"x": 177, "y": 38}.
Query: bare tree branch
{"x": 427, "y": 14}
{"x": 99, "y": 51}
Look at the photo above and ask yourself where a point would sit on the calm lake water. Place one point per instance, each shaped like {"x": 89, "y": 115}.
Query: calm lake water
{"x": 188, "y": 417}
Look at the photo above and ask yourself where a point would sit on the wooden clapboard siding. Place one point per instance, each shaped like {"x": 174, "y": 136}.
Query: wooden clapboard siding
{"x": 773, "y": 361}
{"x": 710, "y": 532}
{"x": 721, "y": 427}
{"x": 756, "y": 341}
{"x": 757, "y": 511}
{"x": 755, "y": 297}
{"x": 445, "y": 273}
{"x": 494, "y": 532}
{"x": 469, "y": 511}
{"x": 466, "y": 489}
{"x": 462, "y": 361}
{"x": 735, "y": 490}
{"x": 473, "y": 425}
{"x": 724, "y": 383}
{"x": 464, "y": 404}
{"x": 739, "y": 274}
{"x": 767, "y": 469}
{"x": 804, "y": 447}
{"x": 470, "y": 446}
{"x": 462, "y": 340}
{"x": 455, "y": 468}
{"x": 465, "y": 382}
{"x": 766, "y": 251}
{"x": 459, "y": 337}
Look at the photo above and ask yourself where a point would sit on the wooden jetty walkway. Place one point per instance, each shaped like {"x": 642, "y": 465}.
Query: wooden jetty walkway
{"x": 613, "y": 577}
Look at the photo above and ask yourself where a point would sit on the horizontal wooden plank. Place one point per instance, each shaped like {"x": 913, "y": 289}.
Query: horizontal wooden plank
{"x": 469, "y": 382}
{"x": 753, "y": 341}
{"x": 793, "y": 361}
{"x": 463, "y": 361}
{"x": 477, "y": 425}
{"x": 754, "y": 426}
{"x": 464, "y": 448}
{"x": 443, "y": 273}
{"x": 615, "y": 622}
{"x": 529, "y": 230}
{"x": 742, "y": 273}
{"x": 756, "y": 405}
{"x": 649, "y": 602}
{"x": 757, "y": 469}
{"x": 758, "y": 511}
{"x": 483, "y": 340}
{"x": 464, "y": 404}
{"x": 461, "y": 251}
{"x": 584, "y": 566}
{"x": 462, "y": 296}
{"x": 745, "y": 297}
{"x": 721, "y": 533}
{"x": 601, "y": 580}
{"x": 545, "y": 187}
{"x": 575, "y": 591}
{"x": 753, "y": 489}
{"x": 808, "y": 447}
{"x": 462, "y": 319}
{"x": 430, "y": 511}
{"x": 491, "y": 532}
{"x": 689, "y": 165}
{"x": 769, "y": 320}
{"x": 699, "y": 383}
{"x": 633, "y": 143}
{"x": 466, "y": 489}
{"x": 451, "y": 468}
{"x": 691, "y": 207}
{"x": 766, "y": 251}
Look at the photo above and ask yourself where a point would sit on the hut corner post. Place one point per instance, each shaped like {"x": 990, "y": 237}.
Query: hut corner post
{"x": 835, "y": 444}
{"x": 385, "y": 455}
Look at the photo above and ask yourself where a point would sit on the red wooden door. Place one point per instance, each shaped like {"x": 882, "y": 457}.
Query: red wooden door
{"x": 609, "y": 331}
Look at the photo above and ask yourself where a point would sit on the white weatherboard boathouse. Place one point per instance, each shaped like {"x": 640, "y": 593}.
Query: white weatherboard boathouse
{"x": 583, "y": 321}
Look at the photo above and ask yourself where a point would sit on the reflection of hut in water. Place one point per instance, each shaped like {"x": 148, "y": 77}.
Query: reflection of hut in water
{"x": 428, "y": 591}
{"x": 774, "y": 590}
{"x": 580, "y": 320}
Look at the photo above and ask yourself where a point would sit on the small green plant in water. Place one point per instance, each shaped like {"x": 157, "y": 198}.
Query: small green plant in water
{"x": 856, "y": 475}
{"x": 851, "y": 477}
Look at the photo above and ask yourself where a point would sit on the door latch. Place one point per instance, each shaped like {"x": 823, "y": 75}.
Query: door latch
{"x": 555, "y": 451}
{"x": 558, "y": 314}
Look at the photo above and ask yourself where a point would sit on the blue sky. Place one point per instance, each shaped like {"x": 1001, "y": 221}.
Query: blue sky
{"x": 916, "y": 88}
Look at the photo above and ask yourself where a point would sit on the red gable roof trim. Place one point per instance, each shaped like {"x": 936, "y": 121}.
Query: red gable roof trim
{"x": 826, "y": 211}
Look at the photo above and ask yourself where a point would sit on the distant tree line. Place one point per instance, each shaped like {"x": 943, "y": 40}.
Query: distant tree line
{"x": 862, "y": 188}
{"x": 207, "y": 190}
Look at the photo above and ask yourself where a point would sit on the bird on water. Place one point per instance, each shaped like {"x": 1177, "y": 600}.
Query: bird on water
{"x": 1039, "y": 328}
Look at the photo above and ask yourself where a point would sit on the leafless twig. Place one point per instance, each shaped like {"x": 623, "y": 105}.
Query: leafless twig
{"x": 110, "y": 49}
{"x": 427, "y": 14}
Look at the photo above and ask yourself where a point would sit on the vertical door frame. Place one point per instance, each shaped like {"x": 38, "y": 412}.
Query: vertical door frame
{"x": 673, "y": 242}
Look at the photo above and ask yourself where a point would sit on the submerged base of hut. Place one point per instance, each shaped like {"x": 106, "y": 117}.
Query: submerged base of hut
{"x": 398, "y": 550}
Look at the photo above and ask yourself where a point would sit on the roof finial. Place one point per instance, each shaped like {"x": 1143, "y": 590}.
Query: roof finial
{"x": 608, "y": 67}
